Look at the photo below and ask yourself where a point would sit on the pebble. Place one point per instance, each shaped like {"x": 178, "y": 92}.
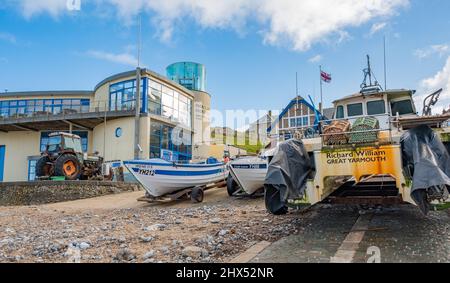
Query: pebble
{"x": 84, "y": 246}
{"x": 146, "y": 239}
{"x": 148, "y": 255}
{"x": 125, "y": 255}
{"x": 155, "y": 227}
{"x": 223, "y": 232}
{"x": 215, "y": 220}
{"x": 165, "y": 250}
{"x": 194, "y": 252}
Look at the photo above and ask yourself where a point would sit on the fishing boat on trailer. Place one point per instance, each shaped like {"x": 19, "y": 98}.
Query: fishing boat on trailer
{"x": 161, "y": 178}
{"x": 247, "y": 175}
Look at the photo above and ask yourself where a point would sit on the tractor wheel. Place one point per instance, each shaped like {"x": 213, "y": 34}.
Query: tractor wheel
{"x": 68, "y": 166}
{"x": 232, "y": 186}
{"x": 43, "y": 169}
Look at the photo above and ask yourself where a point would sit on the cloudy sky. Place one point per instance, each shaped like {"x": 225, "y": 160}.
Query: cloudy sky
{"x": 251, "y": 48}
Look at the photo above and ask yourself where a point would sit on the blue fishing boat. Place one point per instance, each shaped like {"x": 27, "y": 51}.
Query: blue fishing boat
{"x": 160, "y": 177}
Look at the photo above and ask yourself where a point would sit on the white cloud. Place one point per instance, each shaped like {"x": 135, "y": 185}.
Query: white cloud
{"x": 52, "y": 7}
{"x": 292, "y": 23}
{"x": 120, "y": 58}
{"x": 4, "y": 36}
{"x": 439, "y": 49}
{"x": 377, "y": 27}
{"x": 440, "y": 80}
{"x": 315, "y": 59}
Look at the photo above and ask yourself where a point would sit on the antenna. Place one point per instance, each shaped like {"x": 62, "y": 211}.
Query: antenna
{"x": 296, "y": 90}
{"x": 385, "y": 69}
{"x": 369, "y": 70}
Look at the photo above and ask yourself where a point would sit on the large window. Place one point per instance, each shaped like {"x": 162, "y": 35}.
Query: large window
{"x": 355, "y": 110}
{"x": 82, "y": 134}
{"x": 299, "y": 122}
{"x": 376, "y": 107}
{"x": 163, "y": 137}
{"x": 32, "y": 107}
{"x": 402, "y": 107}
{"x": 169, "y": 103}
{"x": 122, "y": 96}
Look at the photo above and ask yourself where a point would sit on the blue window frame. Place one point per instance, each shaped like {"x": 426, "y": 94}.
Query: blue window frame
{"x": 122, "y": 95}
{"x": 32, "y": 170}
{"x": 51, "y": 106}
{"x": 83, "y": 135}
{"x": 2, "y": 161}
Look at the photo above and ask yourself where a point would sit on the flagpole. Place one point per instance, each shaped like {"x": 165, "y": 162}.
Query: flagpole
{"x": 321, "y": 90}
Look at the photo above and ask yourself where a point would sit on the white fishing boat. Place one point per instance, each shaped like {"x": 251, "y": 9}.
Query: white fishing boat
{"x": 247, "y": 175}
{"x": 160, "y": 178}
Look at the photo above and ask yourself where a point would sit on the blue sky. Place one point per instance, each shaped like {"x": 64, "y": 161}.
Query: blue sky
{"x": 251, "y": 49}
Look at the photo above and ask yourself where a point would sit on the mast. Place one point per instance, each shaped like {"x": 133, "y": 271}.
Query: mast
{"x": 385, "y": 68}
{"x": 137, "y": 132}
{"x": 321, "y": 89}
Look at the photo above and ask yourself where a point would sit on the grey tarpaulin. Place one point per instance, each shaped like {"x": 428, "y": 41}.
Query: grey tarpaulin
{"x": 427, "y": 161}
{"x": 287, "y": 175}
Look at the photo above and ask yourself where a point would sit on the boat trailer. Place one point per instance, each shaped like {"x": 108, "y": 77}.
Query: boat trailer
{"x": 195, "y": 194}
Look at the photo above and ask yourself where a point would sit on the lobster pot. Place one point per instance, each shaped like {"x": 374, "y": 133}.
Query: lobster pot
{"x": 335, "y": 133}
{"x": 365, "y": 130}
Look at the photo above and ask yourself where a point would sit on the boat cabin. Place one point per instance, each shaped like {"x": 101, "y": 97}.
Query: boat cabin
{"x": 379, "y": 104}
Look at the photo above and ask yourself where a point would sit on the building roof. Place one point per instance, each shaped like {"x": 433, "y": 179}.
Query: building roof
{"x": 89, "y": 93}
{"x": 328, "y": 113}
{"x": 391, "y": 92}
{"x": 22, "y": 94}
{"x": 143, "y": 72}
{"x": 293, "y": 102}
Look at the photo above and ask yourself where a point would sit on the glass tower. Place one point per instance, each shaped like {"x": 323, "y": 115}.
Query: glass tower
{"x": 188, "y": 74}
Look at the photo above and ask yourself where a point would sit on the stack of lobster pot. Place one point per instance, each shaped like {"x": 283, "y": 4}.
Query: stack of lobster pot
{"x": 365, "y": 130}
{"x": 336, "y": 133}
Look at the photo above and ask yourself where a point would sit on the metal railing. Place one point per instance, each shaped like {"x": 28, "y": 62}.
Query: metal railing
{"x": 66, "y": 110}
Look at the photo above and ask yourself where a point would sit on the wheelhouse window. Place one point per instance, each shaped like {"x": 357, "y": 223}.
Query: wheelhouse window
{"x": 376, "y": 107}
{"x": 355, "y": 110}
{"x": 340, "y": 112}
{"x": 403, "y": 107}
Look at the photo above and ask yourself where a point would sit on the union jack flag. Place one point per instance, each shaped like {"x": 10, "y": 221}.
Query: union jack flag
{"x": 325, "y": 77}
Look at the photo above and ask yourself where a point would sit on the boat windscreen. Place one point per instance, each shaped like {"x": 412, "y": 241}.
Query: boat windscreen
{"x": 402, "y": 107}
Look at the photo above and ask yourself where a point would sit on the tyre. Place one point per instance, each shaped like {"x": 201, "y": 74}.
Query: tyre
{"x": 43, "y": 169}
{"x": 273, "y": 201}
{"x": 68, "y": 166}
{"x": 232, "y": 186}
{"x": 197, "y": 195}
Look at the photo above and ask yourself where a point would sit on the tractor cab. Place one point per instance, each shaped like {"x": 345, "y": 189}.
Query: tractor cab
{"x": 64, "y": 142}
{"x": 64, "y": 157}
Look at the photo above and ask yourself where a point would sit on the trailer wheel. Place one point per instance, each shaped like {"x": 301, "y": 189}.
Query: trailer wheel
{"x": 232, "y": 185}
{"x": 68, "y": 166}
{"x": 197, "y": 195}
{"x": 273, "y": 201}
{"x": 42, "y": 167}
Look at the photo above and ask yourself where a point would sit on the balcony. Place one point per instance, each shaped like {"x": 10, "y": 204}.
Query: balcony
{"x": 81, "y": 117}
